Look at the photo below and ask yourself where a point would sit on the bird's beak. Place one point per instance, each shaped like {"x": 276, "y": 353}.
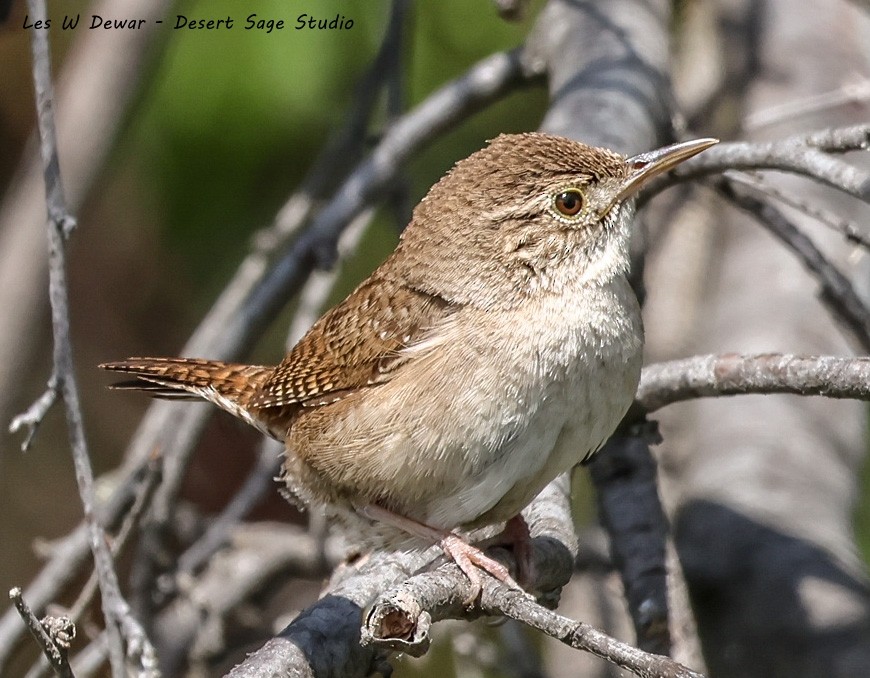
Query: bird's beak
{"x": 641, "y": 168}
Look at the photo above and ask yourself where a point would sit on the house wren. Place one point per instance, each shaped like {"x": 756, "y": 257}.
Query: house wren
{"x": 498, "y": 345}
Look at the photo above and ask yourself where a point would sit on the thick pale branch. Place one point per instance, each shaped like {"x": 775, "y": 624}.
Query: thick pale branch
{"x": 710, "y": 376}
{"x": 325, "y": 637}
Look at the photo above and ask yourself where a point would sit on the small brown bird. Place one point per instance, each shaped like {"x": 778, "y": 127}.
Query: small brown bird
{"x": 499, "y": 345}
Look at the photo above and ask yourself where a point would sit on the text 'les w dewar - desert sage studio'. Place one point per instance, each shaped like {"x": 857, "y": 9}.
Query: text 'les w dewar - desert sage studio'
{"x": 252, "y": 22}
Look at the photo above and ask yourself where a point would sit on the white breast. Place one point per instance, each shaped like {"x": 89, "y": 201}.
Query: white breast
{"x": 565, "y": 375}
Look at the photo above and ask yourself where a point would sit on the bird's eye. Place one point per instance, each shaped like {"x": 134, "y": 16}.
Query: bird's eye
{"x": 568, "y": 203}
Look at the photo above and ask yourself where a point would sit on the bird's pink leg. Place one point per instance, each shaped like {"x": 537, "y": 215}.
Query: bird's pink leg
{"x": 516, "y": 534}
{"x": 468, "y": 558}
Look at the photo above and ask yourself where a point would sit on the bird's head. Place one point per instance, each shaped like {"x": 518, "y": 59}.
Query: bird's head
{"x": 530, "y": 212}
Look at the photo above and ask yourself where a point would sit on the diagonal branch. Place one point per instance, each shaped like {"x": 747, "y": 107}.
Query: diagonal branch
{"x": 848, "y": 229}
{"x": 837, "y": 293}
{"x": 55, "y": 655}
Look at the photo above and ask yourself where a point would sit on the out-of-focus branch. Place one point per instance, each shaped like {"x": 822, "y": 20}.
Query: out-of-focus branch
{"x": 755, "y": 182}
{"x": 69, "y": 556}
{"x": 102, "y": 74}
{"x": 32, "y": 418}
{"x": 55, "y": 654}
{"x": 126, "y": 636}
{"x": 838, "y": 294}
{"x": 144, "y": 493}
{"x": 855, "y": 90}
{"x": 710, "y": 376}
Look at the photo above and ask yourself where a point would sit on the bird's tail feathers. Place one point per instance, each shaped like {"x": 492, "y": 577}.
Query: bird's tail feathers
{"x": 229, "y": 386}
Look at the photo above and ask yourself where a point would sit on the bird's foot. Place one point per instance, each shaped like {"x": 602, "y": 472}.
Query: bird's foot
{"x": 471, "y": 560}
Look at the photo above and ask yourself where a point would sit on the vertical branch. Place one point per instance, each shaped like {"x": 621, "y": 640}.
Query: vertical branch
{"x": 120, "y": 625}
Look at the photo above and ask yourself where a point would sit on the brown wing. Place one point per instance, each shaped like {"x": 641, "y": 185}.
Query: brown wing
{"x": 355, "y": 345}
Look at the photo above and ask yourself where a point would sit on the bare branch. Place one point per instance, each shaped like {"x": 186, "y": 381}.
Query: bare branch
{"x": 143, "y": 496}
{"x": 33, "y": 416}
{"x": 710, "y": 376}
{"x": 69, "y": 556}
{"x": 400, "y": 620}
{"x": 219, "y": 532}
{"x": 857, "y": 90}
{"x": 120, "y": 624}
{"x": 327, "y": 633}
{"x": 792, "y": 155}
{"x": 55, "y": 654}
{"x": 837, "y": 292}
{"x": 754, "y": 181}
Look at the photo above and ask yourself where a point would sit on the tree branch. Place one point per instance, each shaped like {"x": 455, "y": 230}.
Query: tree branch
{"x": 325, "y": 638}
{"x": 837, "y": 294}
{"x": 810, "y": 155}
{"x": 55, "y": 654}
{"x": 710, "y": 376}
{"x": 121, "y": 625}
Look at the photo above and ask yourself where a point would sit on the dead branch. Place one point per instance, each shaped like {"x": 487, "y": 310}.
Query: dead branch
{"x": 838, "y": 294}
{"x": 55, "y": 653}
{"x": 126, "y": 636}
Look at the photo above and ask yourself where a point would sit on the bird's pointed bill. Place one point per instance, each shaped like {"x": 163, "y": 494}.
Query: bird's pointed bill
{"x": 643, "y": 167}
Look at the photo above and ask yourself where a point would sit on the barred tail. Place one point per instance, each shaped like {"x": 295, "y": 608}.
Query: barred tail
{"x": 227, "y": 385}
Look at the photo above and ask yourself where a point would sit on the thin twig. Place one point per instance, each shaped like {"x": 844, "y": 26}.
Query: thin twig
{"x": 837, "y": 292}
{"x": 69, "y": 556}
{"x": 710, "y": 376}
{"x": 120, "y": 624}
{"x": 62, "y": 631}
{"x": 55, "y": 655}
{"x": 33, "y": 416}
{"x": 849, "y": 230}
{"x": 144, "y": 493}
{"x": 581, "y": 636}
{"x": 856, "y": 91}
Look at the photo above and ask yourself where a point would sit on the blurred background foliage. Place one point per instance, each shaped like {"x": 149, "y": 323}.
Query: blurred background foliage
{"x": 224, "y": 126}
